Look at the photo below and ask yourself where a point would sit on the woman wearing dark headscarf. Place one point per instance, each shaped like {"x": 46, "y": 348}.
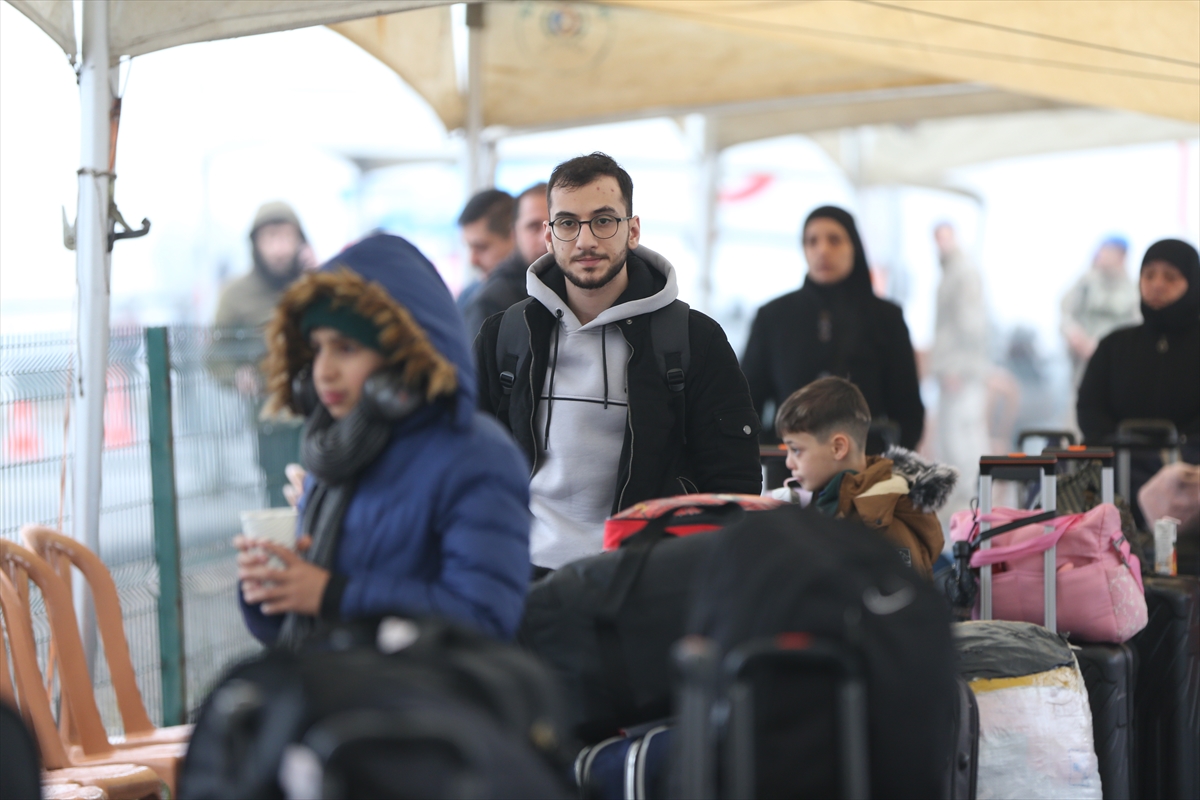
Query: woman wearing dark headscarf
{"x": 1152, "y": 370}
{"x": 835, "y": 325}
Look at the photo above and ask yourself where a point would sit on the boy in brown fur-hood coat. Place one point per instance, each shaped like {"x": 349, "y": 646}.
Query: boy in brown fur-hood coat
{"x": 824, "y": 426}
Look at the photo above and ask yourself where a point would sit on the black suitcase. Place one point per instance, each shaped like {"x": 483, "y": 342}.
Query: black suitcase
{"x": 775, "y": 587}
{"x": 758, "y": 680}
{"x": 1167, "y": 697}
{"x": 1110, "y": 674}
{"x": 962, "y": 776}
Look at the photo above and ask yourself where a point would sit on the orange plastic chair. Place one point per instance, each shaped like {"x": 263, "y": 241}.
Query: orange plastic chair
{"x": 61, "y": 552}
{"x": 73, "y": 791}
{"x": 115, "y": 780}
{"x": 94, "y": 747}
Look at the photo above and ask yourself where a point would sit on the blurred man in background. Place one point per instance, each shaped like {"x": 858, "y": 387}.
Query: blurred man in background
{"x": 959, "y": 362}
{"x": 505, "y": 285}
{"x": 486, "y": 222}
{"x": 279, "y": 253}
{"x": 1102, "y": 300}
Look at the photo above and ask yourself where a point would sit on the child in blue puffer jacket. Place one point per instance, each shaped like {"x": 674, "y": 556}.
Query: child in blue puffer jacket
{"x": 414, "y": 502}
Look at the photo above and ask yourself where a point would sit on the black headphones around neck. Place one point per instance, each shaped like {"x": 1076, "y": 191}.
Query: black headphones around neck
{"x": 385, "y": 395}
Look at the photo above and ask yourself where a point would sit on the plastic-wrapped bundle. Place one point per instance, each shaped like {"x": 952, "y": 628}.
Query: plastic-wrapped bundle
{"x": 1035, "y": 725}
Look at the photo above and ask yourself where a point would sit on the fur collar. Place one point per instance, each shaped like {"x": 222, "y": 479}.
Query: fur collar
{"x": 930, "y": 484}
{"x": 403, "y": 341}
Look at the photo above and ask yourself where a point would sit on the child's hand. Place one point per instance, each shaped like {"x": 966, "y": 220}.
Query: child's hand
{"x": 295, "y": 486}
{"x": 297, "y": 587}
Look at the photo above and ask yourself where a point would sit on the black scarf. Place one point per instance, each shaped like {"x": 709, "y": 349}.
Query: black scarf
{"x": 1184, "y": 312}
{"x": 335, "y": 452}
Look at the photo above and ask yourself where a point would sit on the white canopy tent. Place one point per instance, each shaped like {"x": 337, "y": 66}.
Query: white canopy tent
{"x": 940, "y": 85}
{"x": 754, "y": 69}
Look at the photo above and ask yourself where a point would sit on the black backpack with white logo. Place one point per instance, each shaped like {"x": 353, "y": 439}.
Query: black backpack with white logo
{"x": 794, "y": 574}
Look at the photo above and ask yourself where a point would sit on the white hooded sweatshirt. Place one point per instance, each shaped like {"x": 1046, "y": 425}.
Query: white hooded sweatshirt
{"x": 582, "y": 414}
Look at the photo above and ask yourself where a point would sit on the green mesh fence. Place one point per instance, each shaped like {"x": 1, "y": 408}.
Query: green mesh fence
{"x": 220, "y": 448}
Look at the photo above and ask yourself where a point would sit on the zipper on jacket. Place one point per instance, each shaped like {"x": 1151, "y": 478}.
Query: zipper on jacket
{"x": 534, "y": 394}
{"x": 629, "y": 423}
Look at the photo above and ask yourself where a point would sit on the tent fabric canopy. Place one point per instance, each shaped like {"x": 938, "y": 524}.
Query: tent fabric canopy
{"x": 554, "y": 64}
{"x": 924, "y": 153}
{"x": 55, "y": 17}
{"x": 137, "y": 27}
{"x": 560, "y": 64}
{"x": 1141, "y": 56}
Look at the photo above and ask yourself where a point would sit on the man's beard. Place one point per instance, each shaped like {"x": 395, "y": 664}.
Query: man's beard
{"x": 606, "y": 278}
{"x": 275, "y": 280}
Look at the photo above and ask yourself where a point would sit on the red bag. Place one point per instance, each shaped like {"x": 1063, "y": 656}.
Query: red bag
{"x": 690, "y": 513}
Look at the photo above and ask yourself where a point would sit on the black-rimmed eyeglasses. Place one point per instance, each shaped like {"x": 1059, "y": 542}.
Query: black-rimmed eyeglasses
{"x": 604, "y": 226}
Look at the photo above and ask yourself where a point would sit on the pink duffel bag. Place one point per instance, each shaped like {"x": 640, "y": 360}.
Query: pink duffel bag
{"x": 1100, "y": 594}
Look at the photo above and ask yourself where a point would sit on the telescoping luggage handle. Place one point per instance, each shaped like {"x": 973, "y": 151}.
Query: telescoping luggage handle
{"x": 1143, "y": 435}
{"x": 1077, "y": 452}
{"x": 802, "y": 652}
{"x": 988, "y": 465}
{"x": 704, "y": 673}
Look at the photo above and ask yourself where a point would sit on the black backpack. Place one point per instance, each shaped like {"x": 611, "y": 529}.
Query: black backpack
{"x": 382, "y": 708}
{"x": 668, "y": 335}
{"x": 795, "y": 571}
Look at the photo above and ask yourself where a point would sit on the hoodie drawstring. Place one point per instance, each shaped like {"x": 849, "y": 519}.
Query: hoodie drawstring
{"x": 604, "y": 360}
{"x": 558, "y": 315}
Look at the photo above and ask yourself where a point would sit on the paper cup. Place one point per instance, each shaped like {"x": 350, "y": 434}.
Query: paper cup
{"x": 276, "y": 525}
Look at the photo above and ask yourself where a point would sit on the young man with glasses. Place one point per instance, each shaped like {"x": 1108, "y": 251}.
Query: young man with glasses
{"x": 616, "y": 392}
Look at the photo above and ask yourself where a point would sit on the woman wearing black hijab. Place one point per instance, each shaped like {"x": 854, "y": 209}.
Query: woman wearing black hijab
{"x": 835, "y": 325}
{"x": 1152, "y": 370}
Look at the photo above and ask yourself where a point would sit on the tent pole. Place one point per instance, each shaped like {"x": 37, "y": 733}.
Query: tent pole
{"x": 92, "y": 276}
{"x": 709, "y": 162}
{"x": 474, "y": 121}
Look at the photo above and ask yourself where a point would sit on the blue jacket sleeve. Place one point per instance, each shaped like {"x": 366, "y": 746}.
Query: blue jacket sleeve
{"x": 262, "y": 627}
{"x": 482, "y": 520}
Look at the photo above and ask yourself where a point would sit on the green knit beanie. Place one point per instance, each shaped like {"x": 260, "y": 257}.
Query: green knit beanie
{"x": 322, "y": 313}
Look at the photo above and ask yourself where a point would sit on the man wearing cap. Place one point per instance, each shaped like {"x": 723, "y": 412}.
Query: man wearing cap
{"x": 1102, "y": 300}
{"x": 280, "y": 252}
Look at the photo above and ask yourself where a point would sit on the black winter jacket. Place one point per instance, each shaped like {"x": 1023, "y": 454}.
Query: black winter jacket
{"x": 864, "y": 340}
{"x": 716, "y": 450}
{"x": 503, "y": 288}
{"x": 1141, "y": 373}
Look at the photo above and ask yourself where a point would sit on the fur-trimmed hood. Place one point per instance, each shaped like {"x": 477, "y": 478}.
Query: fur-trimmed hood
{"x": 929, "y": 484}
{"x": 387, "y": 280}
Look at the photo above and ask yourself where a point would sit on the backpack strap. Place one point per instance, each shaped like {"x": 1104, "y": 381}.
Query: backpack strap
{"x": 673, "y": 354}
{"x": 512, "y": 344}
{"x": 671, "y": 343}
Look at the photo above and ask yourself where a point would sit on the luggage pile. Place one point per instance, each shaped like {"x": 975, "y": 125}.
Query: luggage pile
{"x": 732, "y": 647}
{"x": 782, "y": 654}
{"x": 1140, "y": 682}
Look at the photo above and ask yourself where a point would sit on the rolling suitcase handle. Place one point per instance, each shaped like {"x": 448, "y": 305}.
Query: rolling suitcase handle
{"x": 1143, "y": 434}
{"x": 696, "y": 660}
{"x": 1105, "y": 455}
{"x": 988, "y": 466}
{"x": 805, "y": 652}
{"x": 1064, "y": 438}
